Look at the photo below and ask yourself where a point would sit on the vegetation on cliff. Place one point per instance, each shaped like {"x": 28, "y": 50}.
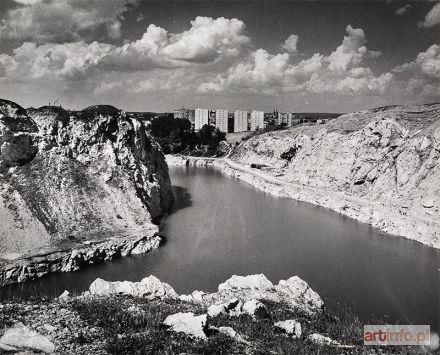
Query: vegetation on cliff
{"x": 177, "y": 136}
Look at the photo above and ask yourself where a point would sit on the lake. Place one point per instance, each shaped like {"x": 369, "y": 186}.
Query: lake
{"x": 220, "y": 226}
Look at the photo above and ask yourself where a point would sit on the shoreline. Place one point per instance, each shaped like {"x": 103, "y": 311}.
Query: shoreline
{"x": 389, "y": 219}
{"x": 73, "y": 259}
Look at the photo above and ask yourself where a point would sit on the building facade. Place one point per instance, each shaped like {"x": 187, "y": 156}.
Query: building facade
{"x": 201, "y": 117}
{"x": 240, "y": 121}
{"x": 221, "y": 120}
{"x": 257, "y": 120}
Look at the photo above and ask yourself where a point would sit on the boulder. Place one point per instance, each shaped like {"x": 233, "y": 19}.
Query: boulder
{"x": 21, "y": 337}
{"x": 149, "y": 287}
{"x": 65, "y": 295}
{"x": 255, "y": 309}
{"x": 254, "y": 282}
{"x": 233, "y": 307}
{"x": 290, "y": 327}
{"x": 298, "y": 291}
{"x": 320, "y": 339}
{"x": 187, "y": 323}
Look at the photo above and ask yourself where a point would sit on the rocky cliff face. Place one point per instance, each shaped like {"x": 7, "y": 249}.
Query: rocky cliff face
{"x": 74, "y": 177}
{"x": 380, "y": 166}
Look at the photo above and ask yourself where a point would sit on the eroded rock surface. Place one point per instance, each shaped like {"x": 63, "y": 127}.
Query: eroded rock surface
{"x": 378, "y": 166}
{"x": 238, "y": 291}
{"x": 149, "y": 287}
{"x": 67, "y": 178}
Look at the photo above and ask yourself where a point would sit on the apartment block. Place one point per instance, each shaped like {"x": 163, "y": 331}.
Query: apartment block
{"x": 240, "y": 121}
{"x": 201, "y": 117}
{"x": 221, "y": 120}
{"x": 257, "y": 120}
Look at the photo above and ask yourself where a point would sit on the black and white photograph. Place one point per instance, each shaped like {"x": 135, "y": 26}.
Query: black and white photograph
{"x": 256, "y": 177}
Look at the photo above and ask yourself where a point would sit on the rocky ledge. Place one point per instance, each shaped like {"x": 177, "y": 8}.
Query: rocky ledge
{"x": 247, "y": 315}
{"x": 76, "y": 188}
{"x": 378, "y": 166}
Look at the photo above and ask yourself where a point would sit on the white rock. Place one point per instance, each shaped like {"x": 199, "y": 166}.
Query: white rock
{"x": 428, "y": 203}
{"x": 187, "y": 323}
{"x": 256, "y": 282}
{"x": 291, "y": 327}
{"x": 216, "y": 309}
{"x": 150, "y": 287}
{"x": 255, "y": 309}
{"x": 299, "y": 291}
{"x": 65, "y": 295}
{"x": 22, "y": 337}
{"x": 322, "y": 340}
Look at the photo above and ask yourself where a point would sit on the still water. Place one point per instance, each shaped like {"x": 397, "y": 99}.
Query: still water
{"x": 221, "y": 226}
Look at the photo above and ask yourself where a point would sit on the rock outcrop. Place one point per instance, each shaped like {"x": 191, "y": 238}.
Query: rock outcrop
{"x": 68, "y": 178}
{"x": 380, "y": 166}
{"x": 240, "y": 295}
{"x": 149, "y": 287}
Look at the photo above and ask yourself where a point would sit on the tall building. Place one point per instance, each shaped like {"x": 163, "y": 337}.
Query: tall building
{"x": 201, "y": 117}
{"x": 257, "y": 120}
{"x": 181, "y": 113}
{"x": 240, "y": 121}
{"x": 282, "y": 118}
{"x": 221, "y": 120}
{"x": 289, "y": 120}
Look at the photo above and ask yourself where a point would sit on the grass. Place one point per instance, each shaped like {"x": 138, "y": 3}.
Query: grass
{"x": 142, "y": 331}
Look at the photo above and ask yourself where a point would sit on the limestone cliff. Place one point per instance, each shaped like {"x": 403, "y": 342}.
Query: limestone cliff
{"x": 74, "y": 177}
{"x": 379, "y": 166}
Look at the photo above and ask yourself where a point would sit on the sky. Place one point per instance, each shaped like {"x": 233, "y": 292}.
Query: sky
{"x": 294, "y": 56}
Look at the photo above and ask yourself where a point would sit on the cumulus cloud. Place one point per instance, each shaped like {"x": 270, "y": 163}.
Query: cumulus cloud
{"x": 58, "y": 21}
{"x": 52, "y": 61}
{"x": 432, "y": 18}
{"x": 340, "y": 72}
{"x": 291, "y": 43}
{"x": 208, "y": 40}
{"x": 401, "y": 10}
{"x": 421, "y": 76}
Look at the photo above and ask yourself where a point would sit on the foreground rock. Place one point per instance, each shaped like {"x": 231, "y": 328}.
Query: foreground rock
{"x": 238, "y": 291}
{"x": 22, "y": 338}
{"x": 290, "y": 327}
{"x": 187, "y": 323}
{"x": 72, "y": 178}
{"x": 149, "y": 287}
{"x": 147, "y": 317}
{"x": 322, "y": 340}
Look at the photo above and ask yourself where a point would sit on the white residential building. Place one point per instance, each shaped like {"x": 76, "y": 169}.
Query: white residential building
{"x": 257, "y": 120}
{"x": 240, "y": 121}
{"x": 201, "y": 117}
{"x": 221, "y": 120}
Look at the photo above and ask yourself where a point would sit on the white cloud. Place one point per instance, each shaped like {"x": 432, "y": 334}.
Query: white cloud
{"x": 58, "y": 21}
{"x": 207, "y": 40}
{"x": 27, "y": 2}
{"x": 432, "y": 18}
{"x": 340, "y": 72}
{"x": 291, "y": 43}
{"x": 401, "y": 10}
{"x": 421, "y": 77}
{"x": 52, "y": 61}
